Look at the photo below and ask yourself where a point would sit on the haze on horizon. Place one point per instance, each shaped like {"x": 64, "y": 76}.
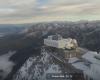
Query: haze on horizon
{"x": 28, "y": 11}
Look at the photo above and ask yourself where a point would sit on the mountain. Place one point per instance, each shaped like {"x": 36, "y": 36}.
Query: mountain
{"x": 44, "y": 67}
{"x": 37, "y": 67}
{"x": 13, "y": 28}
{"x": 27, "y": 41}
{"x": 82, "y": 31}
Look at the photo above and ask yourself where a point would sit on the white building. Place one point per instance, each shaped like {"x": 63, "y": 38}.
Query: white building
{"x": 58, "y": 42}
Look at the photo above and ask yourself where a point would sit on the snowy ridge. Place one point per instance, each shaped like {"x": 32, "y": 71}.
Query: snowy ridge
{"x": 36, "y": 68}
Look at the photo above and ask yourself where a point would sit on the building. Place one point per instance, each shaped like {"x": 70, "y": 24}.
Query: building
{"x": 58, "y": 42}
{"x": 89, "y": 64}
{"x": 66, "y": 50}
{"x": 93, "y": 73}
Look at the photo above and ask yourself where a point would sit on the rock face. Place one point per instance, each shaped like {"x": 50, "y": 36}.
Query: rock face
{"x": 36, "y": 68}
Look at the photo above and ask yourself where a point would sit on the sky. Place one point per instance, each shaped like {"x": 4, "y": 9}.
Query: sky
{"x": 28, "y": 11}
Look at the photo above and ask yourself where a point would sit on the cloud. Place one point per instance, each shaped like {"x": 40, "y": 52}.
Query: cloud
{"x": 50, "y": 9}
{"x": 5, "y": 64}
{"x": 16, "y": 2}
{"x": 76, "y": 8}
{"x": 16, "y": 8}
{"x": 6, "y": 10}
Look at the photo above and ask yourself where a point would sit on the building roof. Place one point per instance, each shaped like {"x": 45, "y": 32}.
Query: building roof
{"x": 81, "y": 66}
{"x": 55, "y": 37}
{"x": 90, "y": 56}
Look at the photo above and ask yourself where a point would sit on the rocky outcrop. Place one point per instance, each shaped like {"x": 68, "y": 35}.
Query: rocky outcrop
{"x": 37, "y": 68}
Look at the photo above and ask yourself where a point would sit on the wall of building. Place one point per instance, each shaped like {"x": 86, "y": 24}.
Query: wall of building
{"x": 54, "y": 43}
{"x": 59, "y": 43}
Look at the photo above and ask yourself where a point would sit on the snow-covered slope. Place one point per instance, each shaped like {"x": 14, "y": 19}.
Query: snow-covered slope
{"x": 36, "y": 68}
